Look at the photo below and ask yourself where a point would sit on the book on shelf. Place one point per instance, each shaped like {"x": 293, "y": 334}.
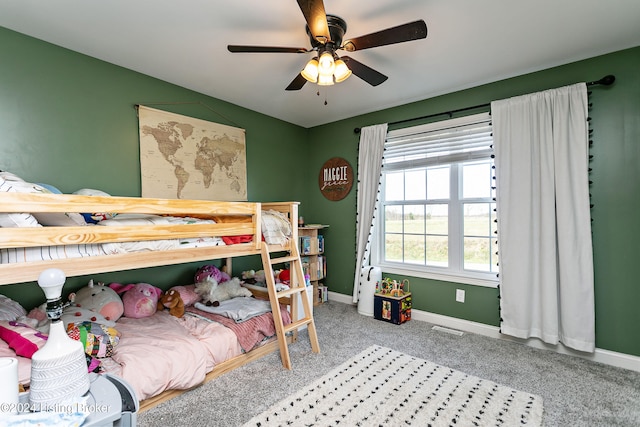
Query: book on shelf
{"x": 305, "y": 245}
{"x": 320, "y": 243}
{"x": 321, "y": 270}
{"x": 323, "y": 293}
{"x": 306, "y": 267}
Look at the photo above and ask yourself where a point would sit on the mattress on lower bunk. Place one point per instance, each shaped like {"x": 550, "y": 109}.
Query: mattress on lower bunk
{"x": 163, "y": 352}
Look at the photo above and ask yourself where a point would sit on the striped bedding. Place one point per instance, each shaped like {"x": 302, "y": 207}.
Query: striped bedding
{"x": 276, "y": 230}
{"x": 48, "y": 253}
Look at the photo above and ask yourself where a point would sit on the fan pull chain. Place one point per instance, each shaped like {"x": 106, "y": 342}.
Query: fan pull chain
{"x": 325, "y": 96}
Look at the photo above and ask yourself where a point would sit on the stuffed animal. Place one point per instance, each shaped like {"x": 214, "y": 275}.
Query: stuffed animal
{"x": 100, "y": 299}
{"x": 187, "y": 293}
{"x": 252, "y": 276}
{"x": 72, "y": 314}
{"x": 139, "y": 299}
{"x": 213, "y": 293}
{"x": 37, "y": 318}
{"x": 210, "y": 271}
{"x": 284, "y": 276}
{"x": 260, "y": 276}
{"x": 173, "y": 301}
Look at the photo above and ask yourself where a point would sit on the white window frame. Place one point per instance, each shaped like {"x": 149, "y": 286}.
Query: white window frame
{"x": 455, "y": 273}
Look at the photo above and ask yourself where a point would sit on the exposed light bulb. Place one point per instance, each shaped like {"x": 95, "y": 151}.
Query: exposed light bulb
{"x": 51, "y": 281}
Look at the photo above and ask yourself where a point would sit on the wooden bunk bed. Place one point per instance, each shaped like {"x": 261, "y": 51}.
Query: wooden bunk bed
{"x": 231, "y": 219}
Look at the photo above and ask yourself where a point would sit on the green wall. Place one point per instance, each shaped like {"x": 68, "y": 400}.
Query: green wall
{"x": 616, "y": 184}
{"x": 69, "y": 120}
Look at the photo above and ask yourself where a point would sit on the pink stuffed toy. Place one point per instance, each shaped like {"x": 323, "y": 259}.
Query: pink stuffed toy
{"x": 139, "y": 299}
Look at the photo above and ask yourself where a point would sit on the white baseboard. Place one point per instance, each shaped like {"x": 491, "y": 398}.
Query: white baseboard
{"x": 620, "y": 360}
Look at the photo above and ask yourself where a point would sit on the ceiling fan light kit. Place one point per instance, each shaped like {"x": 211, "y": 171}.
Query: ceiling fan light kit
{"x": 327, "y": 70}
{"x": 325, "y": 34}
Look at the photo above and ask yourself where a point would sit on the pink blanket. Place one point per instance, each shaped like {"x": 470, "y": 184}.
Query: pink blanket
{"x": 24, "y": 364}
{"x": 163, "y": 352}
{"x": 250, "y": 332}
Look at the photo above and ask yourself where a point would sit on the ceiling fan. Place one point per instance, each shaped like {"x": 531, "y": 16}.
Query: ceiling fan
{"x": 326, "y": 34}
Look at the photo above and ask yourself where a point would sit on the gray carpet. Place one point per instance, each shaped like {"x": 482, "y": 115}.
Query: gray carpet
{"x": 576, "y": 392}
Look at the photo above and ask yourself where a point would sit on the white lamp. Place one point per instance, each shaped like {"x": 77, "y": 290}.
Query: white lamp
{"x": 59, "y": 369}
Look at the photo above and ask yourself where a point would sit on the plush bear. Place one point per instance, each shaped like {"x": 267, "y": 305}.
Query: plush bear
{"x": 139, "y": 299}
{"x": 213, "y": 293}
{"x": 187, "y": 293}
{"x": 100, "y": 299}
{"x": 173, "y": 301}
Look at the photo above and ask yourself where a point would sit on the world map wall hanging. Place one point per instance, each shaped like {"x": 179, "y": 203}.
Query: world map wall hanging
{"x": 187, "y": 158}
{"x": 335, "y": 179}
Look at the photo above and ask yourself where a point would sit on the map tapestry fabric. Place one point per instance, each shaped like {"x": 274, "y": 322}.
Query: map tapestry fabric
{"x": 187, "y": 158}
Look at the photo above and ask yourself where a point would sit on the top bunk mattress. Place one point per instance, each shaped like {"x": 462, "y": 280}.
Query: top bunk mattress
{"x": 48, "y": 253}
{"x": 276, "y": 230}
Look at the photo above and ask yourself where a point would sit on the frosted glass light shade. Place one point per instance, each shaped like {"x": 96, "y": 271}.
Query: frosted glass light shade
{"x": 342, "y": 72}
{"x": 325, "y": 80}
{"x": 326, "y": 66}
{"x": 310, "y": 72}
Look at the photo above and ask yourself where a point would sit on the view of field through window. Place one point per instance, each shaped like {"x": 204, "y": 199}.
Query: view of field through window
{"x": 425, "y": 208}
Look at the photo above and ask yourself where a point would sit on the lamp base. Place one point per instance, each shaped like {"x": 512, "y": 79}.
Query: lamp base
{"x": 58, "y": 370}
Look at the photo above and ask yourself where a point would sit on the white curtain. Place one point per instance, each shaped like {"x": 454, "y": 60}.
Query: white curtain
{"x": 370, "y": 152}
{"x": 544, "y": 225}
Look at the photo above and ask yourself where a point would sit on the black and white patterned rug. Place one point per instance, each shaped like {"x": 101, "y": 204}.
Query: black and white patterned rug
{"x": 383, "y": 387}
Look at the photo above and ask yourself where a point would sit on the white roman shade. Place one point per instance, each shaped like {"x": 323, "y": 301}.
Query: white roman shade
{"x": 465, "y": 138}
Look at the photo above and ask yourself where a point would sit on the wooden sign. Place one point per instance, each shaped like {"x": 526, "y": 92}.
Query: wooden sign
{"x": 335, "y": 179}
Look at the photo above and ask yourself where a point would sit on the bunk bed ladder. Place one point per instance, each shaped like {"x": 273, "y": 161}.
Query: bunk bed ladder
{"x": 297, "y": 288}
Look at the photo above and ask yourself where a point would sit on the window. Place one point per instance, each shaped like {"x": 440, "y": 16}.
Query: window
{"x": 437, "y": 202}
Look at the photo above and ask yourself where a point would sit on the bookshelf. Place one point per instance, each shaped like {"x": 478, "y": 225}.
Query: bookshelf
{"x": 314, "y": 263}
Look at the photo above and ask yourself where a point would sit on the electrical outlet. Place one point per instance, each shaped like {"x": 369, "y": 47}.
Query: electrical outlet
{"x": 459, "y": 295}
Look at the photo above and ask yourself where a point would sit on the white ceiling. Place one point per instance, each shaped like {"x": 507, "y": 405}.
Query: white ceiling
{"x": 469, "y": 42}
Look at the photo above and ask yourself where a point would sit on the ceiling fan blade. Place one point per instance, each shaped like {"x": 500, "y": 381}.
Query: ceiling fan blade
{"x": 314, "y": 14}
{"x": 367, "y": 74}
{"x": 402, "y": 33}
{"x": 265, "y": 49}
{"x": 297, "y": 83}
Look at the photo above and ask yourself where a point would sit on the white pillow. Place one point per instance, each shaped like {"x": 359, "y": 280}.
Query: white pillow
{"x": 60, "y": 219}
{"x": 11, "y": 183}
{"x": 10, "y": 309}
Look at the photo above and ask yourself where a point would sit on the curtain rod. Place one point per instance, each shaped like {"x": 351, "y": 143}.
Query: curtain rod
{"x": 605, "y": 81}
